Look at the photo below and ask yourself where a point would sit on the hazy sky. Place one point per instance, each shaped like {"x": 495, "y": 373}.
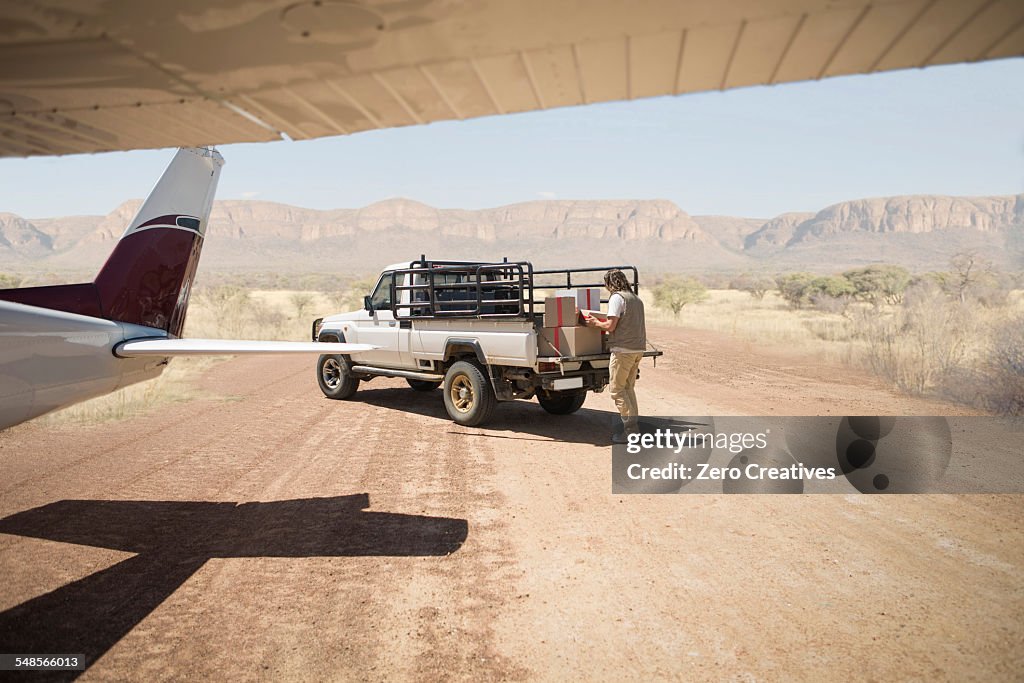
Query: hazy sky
{"x": 752, "y": 152}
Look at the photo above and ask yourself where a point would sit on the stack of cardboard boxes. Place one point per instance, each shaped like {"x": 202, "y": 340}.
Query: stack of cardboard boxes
{"x": 563, "y": 333}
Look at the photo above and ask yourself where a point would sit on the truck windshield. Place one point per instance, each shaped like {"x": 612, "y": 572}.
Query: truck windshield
{"x": 381, "y": 298}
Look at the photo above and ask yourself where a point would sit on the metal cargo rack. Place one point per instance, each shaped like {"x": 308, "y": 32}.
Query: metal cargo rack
{"x": 563, "y": 279}
{"x": 470, "y": 289}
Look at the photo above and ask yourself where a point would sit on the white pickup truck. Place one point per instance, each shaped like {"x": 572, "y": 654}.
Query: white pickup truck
{"x": 469, "y": 326}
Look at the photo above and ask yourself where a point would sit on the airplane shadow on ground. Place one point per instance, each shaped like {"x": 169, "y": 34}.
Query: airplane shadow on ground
{"x": 586, "y": 426}
{"x": 173, "y": 541}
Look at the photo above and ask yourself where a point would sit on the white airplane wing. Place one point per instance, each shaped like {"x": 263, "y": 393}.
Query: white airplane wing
{"x": 225, "y": 347}
{"x": 80, "y": 76}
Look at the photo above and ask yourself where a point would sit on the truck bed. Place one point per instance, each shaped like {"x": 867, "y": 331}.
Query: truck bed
{"x": 503, "y": 341}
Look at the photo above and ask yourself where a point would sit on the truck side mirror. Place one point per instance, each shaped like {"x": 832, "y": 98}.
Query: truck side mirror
{"x": 367, "y": 303}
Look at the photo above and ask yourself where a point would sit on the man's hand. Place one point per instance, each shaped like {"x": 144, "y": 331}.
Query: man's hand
{"x": 608, "y": 325}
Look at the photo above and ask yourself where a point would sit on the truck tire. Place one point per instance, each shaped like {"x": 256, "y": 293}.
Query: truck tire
{"x": 333, "y": 376}
{"x": 562, "y": 404}
{"x": 422, "y": 384}
{"x": 468, "y": 396}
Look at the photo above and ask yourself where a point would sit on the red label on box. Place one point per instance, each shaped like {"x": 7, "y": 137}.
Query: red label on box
{"x": 559, "y": 311}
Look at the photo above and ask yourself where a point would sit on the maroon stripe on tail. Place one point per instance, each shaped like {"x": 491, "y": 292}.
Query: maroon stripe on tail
{"x": 146, "y": 281}
{"x": 147, "y": 278}
{"x": 83, "y": 299}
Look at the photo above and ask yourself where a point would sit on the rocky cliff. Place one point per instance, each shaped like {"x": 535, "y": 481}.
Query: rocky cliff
{"x": 21, "y": 239}
{"x": 915, "y": 215}
{"x": 777, "y": 232}
{"x": 919, "y": 231}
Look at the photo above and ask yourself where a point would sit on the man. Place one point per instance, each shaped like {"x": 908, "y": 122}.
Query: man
{"x": 627, "y": 341}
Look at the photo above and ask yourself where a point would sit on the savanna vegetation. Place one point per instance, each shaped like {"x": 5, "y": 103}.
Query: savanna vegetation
{"x": 956, "y": 334}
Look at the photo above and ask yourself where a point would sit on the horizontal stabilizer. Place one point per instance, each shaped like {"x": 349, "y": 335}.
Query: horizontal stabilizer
{"x": 226, "y": 347}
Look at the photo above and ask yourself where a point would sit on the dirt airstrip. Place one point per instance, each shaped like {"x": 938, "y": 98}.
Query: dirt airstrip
{"x": 262, "y": 531}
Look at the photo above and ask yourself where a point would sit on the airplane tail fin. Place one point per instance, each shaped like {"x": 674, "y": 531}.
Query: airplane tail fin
{"x": 148, "y": 276}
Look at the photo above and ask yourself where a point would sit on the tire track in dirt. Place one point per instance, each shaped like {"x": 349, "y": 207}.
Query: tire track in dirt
{"x": 442, "y": 609}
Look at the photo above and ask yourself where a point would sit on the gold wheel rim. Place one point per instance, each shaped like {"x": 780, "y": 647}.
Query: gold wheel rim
{"x": 462, "y": 394}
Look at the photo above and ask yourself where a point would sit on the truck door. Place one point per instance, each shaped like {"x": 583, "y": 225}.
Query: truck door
{"x": 379, "y": 327}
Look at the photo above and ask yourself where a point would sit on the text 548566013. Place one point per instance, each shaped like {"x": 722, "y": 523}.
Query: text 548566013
{"x": 48, "y": 662}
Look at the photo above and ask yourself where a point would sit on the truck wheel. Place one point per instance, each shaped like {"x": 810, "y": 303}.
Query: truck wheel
{"x": 468, "y": 396}
{"x": 334, "y": 378}
{"x": 562, "y": 404}
{"x": 422, "y": 384}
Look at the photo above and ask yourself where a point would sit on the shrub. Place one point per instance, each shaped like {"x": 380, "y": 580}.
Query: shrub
{"x": 794, "y": 288}
{"x": 754, "y": 285}
{"x": 876, "y": 284}
{"x": 269, "y": 319}
{"x": 992, "y": 290}
{"x": 920, "y": 343}
{"x": 836, "y": 305}
{"x": 231, "y": 306}
{"x": 674, "y": 293}
{"x": 828, "y": 292}
{"x": 989, "y": 287}
{"x": 831, "y": 286}
{"x": 1004, "y": 369}
{"x": 302, "y": 301}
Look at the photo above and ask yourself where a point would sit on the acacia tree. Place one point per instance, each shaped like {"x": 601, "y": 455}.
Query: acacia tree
{"x": 754, "y": 285}
{"x": 795, "y": 288}
{"x": 831, "y": 286}
{"x": 875, "y": 284}
{"x": 674, "y": 293}
{"x": 968, "y": 270}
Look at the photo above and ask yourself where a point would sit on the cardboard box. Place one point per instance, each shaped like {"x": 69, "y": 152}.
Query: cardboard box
{"x": 586, "y": 297}
{"x": 569, "y": 341}
{"x": 603, "y": 317}
{"x": 560, "y": 311}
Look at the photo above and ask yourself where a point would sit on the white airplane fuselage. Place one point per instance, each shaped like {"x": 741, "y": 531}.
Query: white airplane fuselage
{"x": 50, "y": 359}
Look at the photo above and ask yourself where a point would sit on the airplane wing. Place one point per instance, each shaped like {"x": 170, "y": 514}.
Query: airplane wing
{"x": 224, "y": 347}
{"x": 79, "y": 76}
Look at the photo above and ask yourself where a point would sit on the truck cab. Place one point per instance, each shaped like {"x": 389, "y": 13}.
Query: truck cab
{"x": 376, "y": 324}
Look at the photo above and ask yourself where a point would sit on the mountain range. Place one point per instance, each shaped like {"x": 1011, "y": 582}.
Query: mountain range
{"x": 920, "y": 232}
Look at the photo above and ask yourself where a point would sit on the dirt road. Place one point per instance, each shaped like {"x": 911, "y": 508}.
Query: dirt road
{"x": 264, "y": 532}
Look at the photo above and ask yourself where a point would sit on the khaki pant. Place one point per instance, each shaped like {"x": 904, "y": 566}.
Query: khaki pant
{"x": 622, "y": 370}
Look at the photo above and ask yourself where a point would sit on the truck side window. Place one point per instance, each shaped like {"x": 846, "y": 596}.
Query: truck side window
{"x": 381, "y": 298}
{"x": 419, "y": 295}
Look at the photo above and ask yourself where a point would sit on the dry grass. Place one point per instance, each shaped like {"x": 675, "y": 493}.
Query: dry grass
{"x": 281, "y": 315}
{"x": 935, "y": 346}
{"x": 176, "y": 383}
{"x": 769, "y": 321}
